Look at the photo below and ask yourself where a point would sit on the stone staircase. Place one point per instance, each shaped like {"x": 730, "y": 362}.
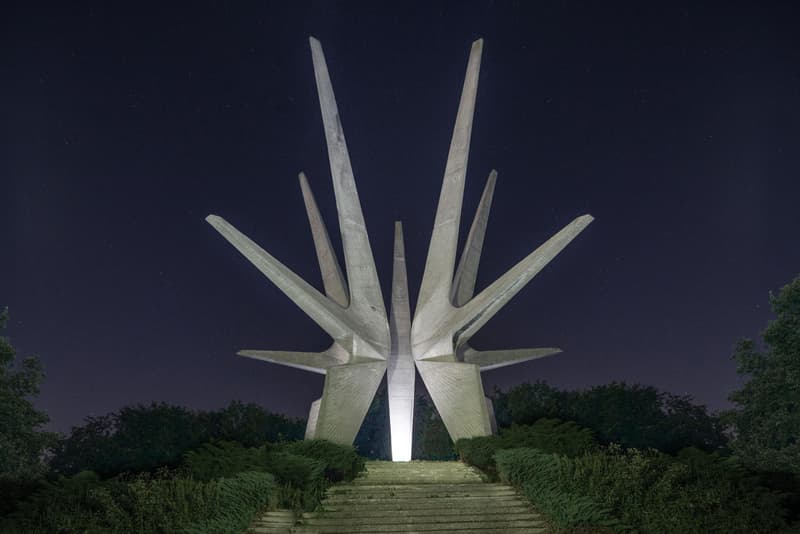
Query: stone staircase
{"x": 447, "y": 497}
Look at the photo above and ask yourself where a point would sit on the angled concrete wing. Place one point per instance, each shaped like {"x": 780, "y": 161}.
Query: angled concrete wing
{"x": 332, "y": 278}
{"x": 487, "y": 360}
{"x": 366, "y": 299}
{"x": 472, "y": 316}
{"x": 316, "y": 362}
{"x": 400, "y": 374}
{"x": 467, "y": 272}
{"x": 346, "y": 396}
{"x": 457, "y": 392}
{"x": 329, "y": 316}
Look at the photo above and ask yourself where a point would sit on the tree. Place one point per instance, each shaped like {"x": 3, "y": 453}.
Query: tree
{"x": 22, "y": 441}
{"x": 631, "y": 415}
{"x": 146, "y": 437}
{"x": 766, "y": 420}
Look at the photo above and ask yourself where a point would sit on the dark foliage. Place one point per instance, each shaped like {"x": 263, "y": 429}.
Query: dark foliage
{"x": 341, "y": 463}
{"x": 633, "y": 416}
{"x": 221, "y": 459}
{"x": 647, "y": 492}
{"x": 143, "y": 503}
{"x": 142, "y": 438}
{"x": 547, "y": 435}
{"x": 767, "y": 415}
{"x": 22, "y": 441}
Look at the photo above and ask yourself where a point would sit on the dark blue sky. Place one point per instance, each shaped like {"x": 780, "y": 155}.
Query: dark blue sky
{"x": 123, "y": 126}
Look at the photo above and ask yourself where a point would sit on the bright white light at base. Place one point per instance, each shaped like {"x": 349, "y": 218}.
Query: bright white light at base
{"x": 401, "y": 427}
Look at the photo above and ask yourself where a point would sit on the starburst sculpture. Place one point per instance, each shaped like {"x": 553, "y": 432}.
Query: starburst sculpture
{"x": 367, "y": 343}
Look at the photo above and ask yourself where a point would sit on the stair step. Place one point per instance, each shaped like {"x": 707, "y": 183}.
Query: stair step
{"x": 379, "y": 510}
{"x": 460, "y": 527}
{"x": 421, "y": 497}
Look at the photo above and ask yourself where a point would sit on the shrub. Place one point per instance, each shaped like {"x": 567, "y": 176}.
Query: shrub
{"x": 547, "y": 435}
{"x": 479, "y": 452}
{"x": 302, "y": 479}
{"x": 142, "y": 504}
{"x": 646, "y": 491}
{"x": 341, "y": 462}
{"x": 221, "y": 459}
{"x": 241, "y": 497}
{"x": 542, "y": 476}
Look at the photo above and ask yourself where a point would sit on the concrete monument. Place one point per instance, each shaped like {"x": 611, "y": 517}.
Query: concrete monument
{"x": 365, "y": 342}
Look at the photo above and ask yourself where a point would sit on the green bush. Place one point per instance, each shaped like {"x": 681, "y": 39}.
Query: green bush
{"x": 221, "y": 459}
{"x": 479, "y": 452}
{"x": 643, "y": 491}
{"x": 542, "y": 476}
{"x": 242, "y": 498}
{"x": 14, "y": 491}
{"x": 547, "y": 435}
{"x": 341, "y": 462}
{"x": 142, "y": 504}
{"x": 301, "y": 479}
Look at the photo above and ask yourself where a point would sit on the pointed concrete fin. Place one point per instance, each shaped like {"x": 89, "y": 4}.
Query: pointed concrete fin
{"x": 313, "y": 416}
{"x": 327, "y": 314}
{"x": 316, "y": 362}
{"x": 474, "y": 314}
{"x": 400, "y": 317}
{"x": 332, "y": 278}
{"x": 457, "y": 392}
{"x": 467, "y": 272}
{"x": 362, "y": 277}
{"x": 400, "y": 374}
{"x": 434, "y": 293}
{"x": 346, "y": 396}
{"x": 494, "y": 359}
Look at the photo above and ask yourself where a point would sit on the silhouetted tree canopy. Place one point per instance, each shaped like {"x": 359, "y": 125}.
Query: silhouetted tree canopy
{"x": 631, "y": 415}
{"x": 22, "y": 441}
{"x": 767, "y": 417}
{"x": 142, "y": 438}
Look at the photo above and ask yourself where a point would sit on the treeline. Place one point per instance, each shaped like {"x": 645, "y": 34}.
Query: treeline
{"x": 142, "y": 438}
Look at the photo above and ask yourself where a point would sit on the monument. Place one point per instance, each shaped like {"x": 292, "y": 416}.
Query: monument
{"x": 365, "y": 342}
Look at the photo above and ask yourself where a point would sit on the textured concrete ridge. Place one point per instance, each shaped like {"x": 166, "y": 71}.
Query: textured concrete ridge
{"x": 422, "y": 497}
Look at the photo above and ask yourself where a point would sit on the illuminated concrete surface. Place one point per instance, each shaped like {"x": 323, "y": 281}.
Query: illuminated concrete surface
{"x": 448, "y": 313}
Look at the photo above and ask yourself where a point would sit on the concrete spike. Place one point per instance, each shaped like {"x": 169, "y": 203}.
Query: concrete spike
{"x": 437, "y": 280}
{"x": 332, "y": 279}
{"x": 467, "y": 271}
{"x": 487, "y": 360}
{"x": 457, "y": 392}
{"x": 346, "y": 396}
{"x": 323, "y": 311}
{"x": 316, "y": 362}
{"x": 313, "y": 417}
{"x": 365, "y": 290}
{"x": 472, "y": 316}
{"x": 400, "y": 374}
{"x": 492, "y": 418}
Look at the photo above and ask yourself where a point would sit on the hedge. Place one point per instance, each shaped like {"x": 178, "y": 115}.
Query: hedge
{"x": 643, "y": 491}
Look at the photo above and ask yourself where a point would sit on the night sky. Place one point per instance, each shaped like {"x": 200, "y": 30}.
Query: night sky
{"x": 122, "y": 127}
